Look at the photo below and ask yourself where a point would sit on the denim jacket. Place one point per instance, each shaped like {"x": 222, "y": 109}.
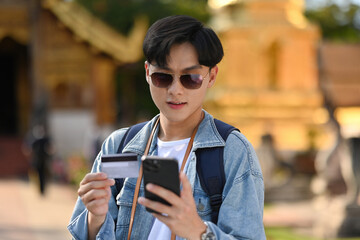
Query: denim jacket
{"x": 240, "y": 215}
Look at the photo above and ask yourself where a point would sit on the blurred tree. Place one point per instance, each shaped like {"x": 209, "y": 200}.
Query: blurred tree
{"x": 120, "y": 14}
{"x": 133, "y": 98}
{"x": 338, "y": 23}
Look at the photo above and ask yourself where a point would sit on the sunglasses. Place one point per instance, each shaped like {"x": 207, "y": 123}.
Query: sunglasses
{"x": 189, "y": 81}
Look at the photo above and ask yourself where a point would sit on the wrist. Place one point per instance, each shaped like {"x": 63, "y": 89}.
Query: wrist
{"x": 94, "y": 224}
{"x": 207, "y": 234}
{"x": 96, "y": 220}
{"x": 200, "y": 230}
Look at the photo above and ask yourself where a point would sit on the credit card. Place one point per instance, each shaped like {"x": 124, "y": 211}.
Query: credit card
{"x": 121, "y": 165}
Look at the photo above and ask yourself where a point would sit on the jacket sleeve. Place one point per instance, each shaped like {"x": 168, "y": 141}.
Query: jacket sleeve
{"x": 78, "y": 226}
{"x": 241, "y": 213}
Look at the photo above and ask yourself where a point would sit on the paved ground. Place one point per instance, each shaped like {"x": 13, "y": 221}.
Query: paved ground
{"x": 24, "y": 214}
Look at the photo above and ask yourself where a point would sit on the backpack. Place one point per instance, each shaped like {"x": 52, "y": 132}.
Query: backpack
{"x": 212, "y": 179}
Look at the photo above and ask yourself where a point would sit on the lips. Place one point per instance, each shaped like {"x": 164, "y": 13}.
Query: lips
{"x": 176, "y": 105}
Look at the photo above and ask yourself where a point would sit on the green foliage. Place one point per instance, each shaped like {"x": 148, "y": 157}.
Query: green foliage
{"x": 284, "y": 234}
{"x": 279, "y": 233}
{"x": 337, "y": 23}
{"x": 77, "y": 168}
{"x": 133, "y": 95}
{"x": 120, "y": 14}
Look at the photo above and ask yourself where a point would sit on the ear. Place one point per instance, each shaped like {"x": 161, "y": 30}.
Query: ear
{"x": 147, "y": 76}
{"x": 212, "y": 76}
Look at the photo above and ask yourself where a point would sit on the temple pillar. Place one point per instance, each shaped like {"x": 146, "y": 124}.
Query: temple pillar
{"x": 103, "y": 72}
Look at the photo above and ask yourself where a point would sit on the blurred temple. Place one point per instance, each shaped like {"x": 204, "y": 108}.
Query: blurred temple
{"x": 294, "y": 96}
{"x": 297, "y": 98}
{"x": 280, "y": 81}
{"x": 268, "y": 81}
{"x": 55, "y": 51}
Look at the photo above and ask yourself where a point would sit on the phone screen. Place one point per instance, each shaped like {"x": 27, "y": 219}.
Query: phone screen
{"x": 163, "y": 172}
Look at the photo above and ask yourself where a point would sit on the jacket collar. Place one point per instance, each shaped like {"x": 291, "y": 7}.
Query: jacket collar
{"x": 206, "y": 136}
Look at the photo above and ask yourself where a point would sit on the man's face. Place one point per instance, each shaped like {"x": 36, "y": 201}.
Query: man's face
{"x": 176, "y": 101}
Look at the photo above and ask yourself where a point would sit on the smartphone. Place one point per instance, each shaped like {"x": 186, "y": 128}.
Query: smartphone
{"x": 163, "y": 172}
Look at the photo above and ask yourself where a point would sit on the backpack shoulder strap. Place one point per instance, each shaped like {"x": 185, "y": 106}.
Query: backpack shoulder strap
{"x": 210, "y": 168}
{"x": 224, "y": 128}
{"x": 129, "y": 134}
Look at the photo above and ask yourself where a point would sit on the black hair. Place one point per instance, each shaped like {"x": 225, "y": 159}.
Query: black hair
{"x": 166, "y": 32}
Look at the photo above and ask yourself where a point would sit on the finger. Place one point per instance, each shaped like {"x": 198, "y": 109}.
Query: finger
{"x": 97, "y": 203}
{"x": 109, "y": 195}
{"x": 94, "y": 194}
{"x": 164, "y": 193}
{"x": 162, "y": 218}
{"x": 100, "y": 184}
{"x": 154, "y": 205}
{"x": 98, "y": 206}
{"x": 93, "y": 177}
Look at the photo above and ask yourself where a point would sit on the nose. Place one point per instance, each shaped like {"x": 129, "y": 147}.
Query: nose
{"x": 176, "y": 87}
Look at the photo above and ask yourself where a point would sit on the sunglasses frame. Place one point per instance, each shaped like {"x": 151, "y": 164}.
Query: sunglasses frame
{"x": 180, "y": 79}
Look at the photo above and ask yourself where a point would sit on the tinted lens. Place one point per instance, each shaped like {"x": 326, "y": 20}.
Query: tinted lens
{"x": 161, "y": 80}
{"x": 191, "y": 81}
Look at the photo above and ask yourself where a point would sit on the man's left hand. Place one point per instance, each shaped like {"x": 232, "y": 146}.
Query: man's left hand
{"x": 181, "y": 217}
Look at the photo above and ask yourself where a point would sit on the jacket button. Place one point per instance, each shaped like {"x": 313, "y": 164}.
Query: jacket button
{"x": 200, "y": 206}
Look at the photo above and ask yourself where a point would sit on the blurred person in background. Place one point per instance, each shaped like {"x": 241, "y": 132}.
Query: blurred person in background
{"x": 39, "y": 150}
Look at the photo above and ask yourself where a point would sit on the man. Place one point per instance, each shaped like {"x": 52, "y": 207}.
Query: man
{"x": 181, "y": 64}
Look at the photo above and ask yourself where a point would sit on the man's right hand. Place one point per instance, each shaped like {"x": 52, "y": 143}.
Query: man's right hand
{"x": 95, "y": 193}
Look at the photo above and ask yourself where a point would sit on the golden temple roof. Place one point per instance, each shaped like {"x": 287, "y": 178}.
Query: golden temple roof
{"x": 99, "y": 35}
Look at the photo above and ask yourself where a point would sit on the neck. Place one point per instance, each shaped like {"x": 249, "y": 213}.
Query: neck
{"x": 171, "y": 131}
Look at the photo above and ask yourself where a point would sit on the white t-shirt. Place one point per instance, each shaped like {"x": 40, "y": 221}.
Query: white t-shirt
{"x": 172, "y": 149}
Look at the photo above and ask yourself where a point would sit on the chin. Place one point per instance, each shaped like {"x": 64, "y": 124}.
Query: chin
{"x": 173, "y": 116}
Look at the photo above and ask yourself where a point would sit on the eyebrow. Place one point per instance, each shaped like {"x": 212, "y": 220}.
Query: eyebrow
{"x": 197, "y": 66}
